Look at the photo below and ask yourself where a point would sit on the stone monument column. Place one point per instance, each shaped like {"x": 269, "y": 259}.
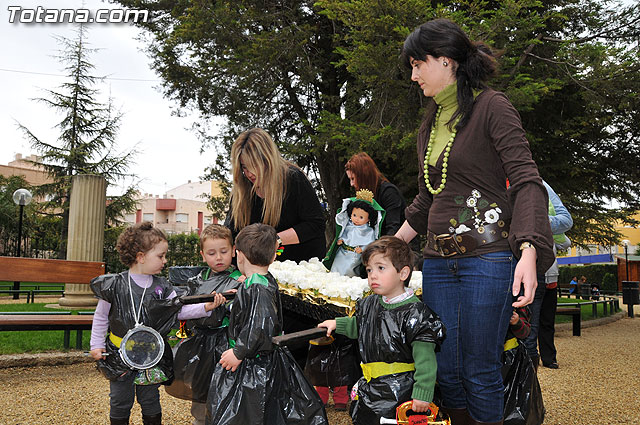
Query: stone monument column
{"x": 86, "y": 232}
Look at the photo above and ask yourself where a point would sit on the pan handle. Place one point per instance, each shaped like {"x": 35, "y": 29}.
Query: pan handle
{"x": 204, "y": 298}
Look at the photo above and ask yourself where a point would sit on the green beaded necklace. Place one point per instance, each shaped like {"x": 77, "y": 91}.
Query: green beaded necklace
{"x": 445, "y": 161}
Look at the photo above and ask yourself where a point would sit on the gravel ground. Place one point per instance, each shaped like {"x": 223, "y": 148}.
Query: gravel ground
{"x": 597, "y": 383}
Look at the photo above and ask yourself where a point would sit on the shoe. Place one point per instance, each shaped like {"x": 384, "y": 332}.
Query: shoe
{"x": 553, "y": 365}
{"x": 340, "y": 407}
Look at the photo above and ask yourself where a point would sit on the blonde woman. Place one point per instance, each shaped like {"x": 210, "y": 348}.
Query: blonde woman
{"x": 271, "y": 190}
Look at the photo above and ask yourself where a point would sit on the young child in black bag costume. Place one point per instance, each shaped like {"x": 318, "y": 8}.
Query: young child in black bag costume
{"x": 137, "y": 297}
{"x": 397, "y": 336}
{"x": 256, "y": 382}
{"x": 196, "y": 356}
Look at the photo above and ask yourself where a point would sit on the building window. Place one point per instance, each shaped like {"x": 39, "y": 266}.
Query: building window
{"x": 147, "y": 217}
{"x": 130, "y": 218}
{"x": 182, "y": 218}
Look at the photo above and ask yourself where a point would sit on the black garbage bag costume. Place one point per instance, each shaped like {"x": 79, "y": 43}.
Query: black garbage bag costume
{"x": 268, "y": 387}
{"x": 195, "y": 357}
{"x": 157, "y": 312}
{"x": 523, "y": 403}
{"x": 385, "y": 335}
{"x": 333, "y": 365}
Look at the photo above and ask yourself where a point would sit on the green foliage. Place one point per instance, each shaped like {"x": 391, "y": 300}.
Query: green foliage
{"x": 184, "y": 250}
{"x": 595, "y": 273}
{"x": 609, "y": 282}
{"x": 323, "y": 77}
{"x": 87, "y": 139}
{"x": 40, "y": 232}
{"x": 9, "y": 214}
{"x": 111, "y": 257}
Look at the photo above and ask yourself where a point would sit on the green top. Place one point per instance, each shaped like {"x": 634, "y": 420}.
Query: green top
{"x": 447, "y": 98}
{"x": 424, "y": 354}
{"x": 256, "y": 278}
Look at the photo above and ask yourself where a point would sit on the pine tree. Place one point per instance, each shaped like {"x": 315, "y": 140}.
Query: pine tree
{"x": 87, "y": 140}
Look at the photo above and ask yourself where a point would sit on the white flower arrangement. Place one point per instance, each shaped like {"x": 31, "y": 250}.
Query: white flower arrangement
{"x": 312, "y": 275}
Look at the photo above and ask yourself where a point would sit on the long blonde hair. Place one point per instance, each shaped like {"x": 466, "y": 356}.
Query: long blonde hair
{"x": 262, "y": 156}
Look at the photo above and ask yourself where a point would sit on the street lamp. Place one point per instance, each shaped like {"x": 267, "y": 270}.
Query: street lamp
{"x": 626, "y": 255}
{"x": 21, "y": 197}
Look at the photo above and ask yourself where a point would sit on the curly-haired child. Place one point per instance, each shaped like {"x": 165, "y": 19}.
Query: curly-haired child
{"x": 129, "y": 299}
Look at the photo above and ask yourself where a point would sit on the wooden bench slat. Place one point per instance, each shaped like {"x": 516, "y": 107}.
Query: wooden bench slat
{"x": 49, "y": 271}
{"x": 19, "y": 320}
{"x": 48, "y": 322}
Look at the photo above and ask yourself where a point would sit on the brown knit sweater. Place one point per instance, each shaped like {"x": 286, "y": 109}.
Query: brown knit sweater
{"x": 490, "y": 149}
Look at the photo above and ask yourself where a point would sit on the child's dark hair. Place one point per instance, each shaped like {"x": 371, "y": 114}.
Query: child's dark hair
{"x": 373, "y": 215}
{"x": 216, "y": 231}
{"x": 395, "y": 249}
{"x": 140, "y": 237}
{"x": 258, "y": 243}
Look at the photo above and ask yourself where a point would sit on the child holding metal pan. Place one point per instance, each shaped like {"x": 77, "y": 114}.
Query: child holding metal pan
{"x": 138, "y": 302}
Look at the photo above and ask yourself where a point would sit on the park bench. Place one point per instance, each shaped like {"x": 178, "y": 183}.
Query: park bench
{"x": 55, "y": 321}
{"x": 40, "y": 270}
{"x": 576, "y": 314}
{"x": 48, "y": 271}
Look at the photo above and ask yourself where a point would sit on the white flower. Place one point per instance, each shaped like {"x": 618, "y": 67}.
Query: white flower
{"x": 471, "y": 201}
{"x": 491, "y": 216}
{"x": 313, "y": 275}
{"x": 461, "y": 229}
{"x": 452, "y": 229}
{"x": 416, "y": 280}
{"x": 475, "y": 193}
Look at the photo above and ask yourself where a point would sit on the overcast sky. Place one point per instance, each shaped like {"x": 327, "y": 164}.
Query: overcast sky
{"x": 169, "y": 150}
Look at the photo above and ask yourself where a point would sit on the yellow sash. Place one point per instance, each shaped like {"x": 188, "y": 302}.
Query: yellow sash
{"x": 115, "y": 339}
{"x": 376, "y": 369}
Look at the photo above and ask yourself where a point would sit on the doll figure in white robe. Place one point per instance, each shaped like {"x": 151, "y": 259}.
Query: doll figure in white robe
{"x": 358, "y": 221}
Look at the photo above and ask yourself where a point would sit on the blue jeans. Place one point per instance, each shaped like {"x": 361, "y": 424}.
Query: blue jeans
{"x": 473, "y": 298}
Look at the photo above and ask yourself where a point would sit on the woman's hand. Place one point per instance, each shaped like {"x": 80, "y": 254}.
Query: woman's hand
{"x": 229, "y": 361}
{"x": 289, "y": 237}
{"x": 97, "y": 353}
{"x": 406, "y": 232}
{"x": 525, "y": 276}
{"x": 339, "y": 242}
{"x": 329, "y": 324}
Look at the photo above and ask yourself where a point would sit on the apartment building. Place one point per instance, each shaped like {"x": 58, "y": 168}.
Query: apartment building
{"x": 180, "y": 210}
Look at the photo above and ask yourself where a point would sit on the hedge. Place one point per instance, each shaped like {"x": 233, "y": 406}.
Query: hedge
{"x": 183, "y": 250}
{"x": 595, "y": 273}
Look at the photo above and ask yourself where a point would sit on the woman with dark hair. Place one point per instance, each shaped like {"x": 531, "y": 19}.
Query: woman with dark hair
{"x": 364, "y": 174}
{"x": 484, "y": 241}
{"x": 269, "y": 189}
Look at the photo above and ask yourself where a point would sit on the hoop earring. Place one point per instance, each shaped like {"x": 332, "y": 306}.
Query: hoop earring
{"x": 445, "y": 63}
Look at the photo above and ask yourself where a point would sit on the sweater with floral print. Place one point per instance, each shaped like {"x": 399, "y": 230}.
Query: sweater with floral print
{"x": 490, "y": 149}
